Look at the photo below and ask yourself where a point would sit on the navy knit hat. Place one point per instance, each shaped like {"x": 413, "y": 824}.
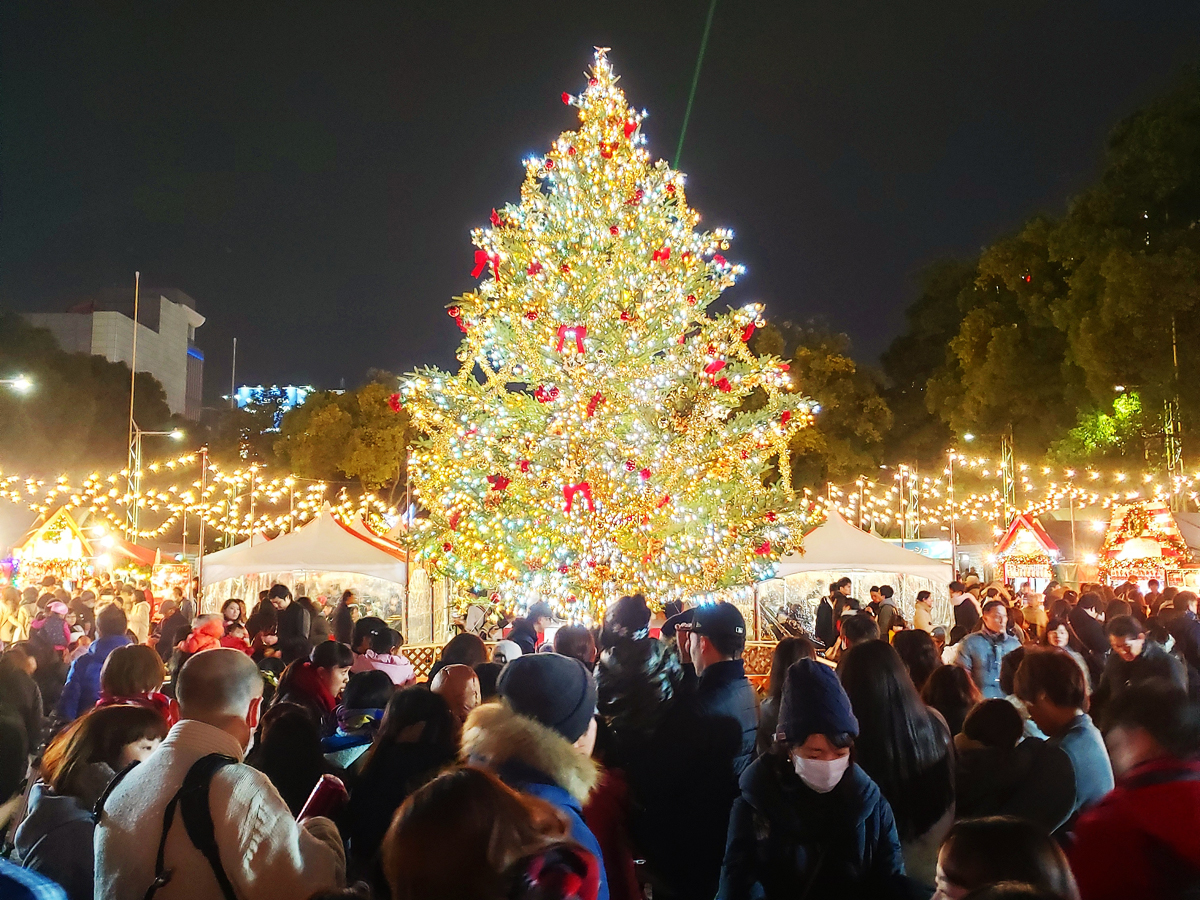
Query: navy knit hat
{"x": 814, "y": 703}
{"x": 557, "y": 691}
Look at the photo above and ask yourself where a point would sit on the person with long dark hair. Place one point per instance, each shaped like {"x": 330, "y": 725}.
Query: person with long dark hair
{"x": 950, "y": 690}
{"x": 1000, "y": 850}
{"x": 787, "y": 652}
{"x": 287, "y": 749}
{"x": 418, "y": 738}
{"x": 905, "y": 747}
{"x": 316, "y": 683}
{"x": 918, "y": 653}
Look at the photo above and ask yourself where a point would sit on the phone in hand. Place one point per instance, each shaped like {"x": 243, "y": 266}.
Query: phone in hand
{"x": 327, "y": 797}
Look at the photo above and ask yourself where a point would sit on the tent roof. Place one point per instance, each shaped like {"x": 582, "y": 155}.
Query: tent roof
{"x": 322, "y": 545}
{"x": 363, "y": 530}
{"x": 1029, "y": 523}
{"x": 44, "y": 522}
{"x": 837, "y": 546}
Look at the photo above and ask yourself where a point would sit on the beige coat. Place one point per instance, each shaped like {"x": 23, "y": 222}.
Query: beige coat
{"x": 266, "y": 855}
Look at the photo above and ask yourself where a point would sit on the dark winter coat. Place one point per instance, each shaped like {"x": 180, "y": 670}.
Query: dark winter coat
{"x": 688, "y": 781}
{"x": 1185, "y": 628}
{"x": 21, "y": 700}
{"x": 343, "y": 623}
{"x": 1033, "y": 780}
{"x": 1092, "y": 636}
{"x": 536, "y": 760}
{"x": 524, "y": 635}
{"x": 171, "y": 631}
{"x": 1152, "y": 662}
{"x": 1143, "y": 838}
{"x": 392, "y": 773}
{"x": 787, "y": 841}
{"x": 82, "y": 689}
{"x": 55, "y": 839}
{"x": 824, "y": 628}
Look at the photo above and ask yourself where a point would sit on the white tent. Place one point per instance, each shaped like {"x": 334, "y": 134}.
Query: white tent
{"x": 837, "y": 546}
{"x": 322, "y": 545}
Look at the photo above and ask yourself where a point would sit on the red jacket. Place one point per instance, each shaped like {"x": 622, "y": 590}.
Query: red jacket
{"x": 607, "y": 815}
{"x": 1143, "y": 838}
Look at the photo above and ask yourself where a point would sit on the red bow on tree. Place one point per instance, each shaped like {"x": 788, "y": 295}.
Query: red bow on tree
{"x": 482, "y": 258}
{"x": 714, "y": 367}
{"x": 496, "y": 219}
{"x": 662, "y": 254}
{"x": 571, "y": 332}
{"x": 395, "y": 402}
{"x": 747, "y": 333}
{"x": 570, "y": 490}
{"x": 498, "y": 482}
{"x": 763, "y": 549}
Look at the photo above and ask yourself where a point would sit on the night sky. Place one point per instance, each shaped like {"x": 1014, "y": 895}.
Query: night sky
{"x": 309, "y": 172}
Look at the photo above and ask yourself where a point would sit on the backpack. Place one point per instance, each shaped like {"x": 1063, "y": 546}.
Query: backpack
{"x": 192, "y": 798}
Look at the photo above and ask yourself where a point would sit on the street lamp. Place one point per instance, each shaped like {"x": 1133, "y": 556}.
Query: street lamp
{"x": 21, "y": 384}
{"x": 134, "y": 477}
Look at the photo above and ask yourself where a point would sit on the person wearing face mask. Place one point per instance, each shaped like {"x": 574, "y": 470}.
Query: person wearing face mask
{"x": 55, "y": 838}
{"x": 809, "y": 822}
{"x": 261, "y": 850}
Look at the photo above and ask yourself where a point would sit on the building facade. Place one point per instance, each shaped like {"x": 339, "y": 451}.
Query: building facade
{"x": 102, "y": 325}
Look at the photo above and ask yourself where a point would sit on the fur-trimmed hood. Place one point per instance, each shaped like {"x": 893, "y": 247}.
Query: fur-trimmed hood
{"x": 497, "y": 737}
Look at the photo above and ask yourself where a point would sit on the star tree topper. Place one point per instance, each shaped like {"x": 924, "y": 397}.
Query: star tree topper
{"x": 604, "y": 433}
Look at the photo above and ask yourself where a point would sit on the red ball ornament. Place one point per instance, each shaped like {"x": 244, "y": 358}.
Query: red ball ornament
{"x": 592, "y": 82}
{"x": 447, "y": 547}
{"x": 563, "y": 570}
{"x": 614, "y": 230}
{"x": 549, "y": 164}
{"x": 670, "y": 188}
{"x": 771, "y": 517}
{"x": 566, "y": 98}
{"x": 630, "y": 465}
{"x": 570, "y": 151}
{"x": 565, "y": 269}
{"x": 626, "y": 316}
{"x": 691, "y": 299}
{"x": 454, "y": 312}
{"x": 532, "y": 315}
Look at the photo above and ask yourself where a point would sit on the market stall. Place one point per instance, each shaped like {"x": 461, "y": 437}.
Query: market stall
{"x": 55, "y": 545}
{"x": 834, "y": 549}
{"x": 1027, "y": 553}
{"x": 320, "y": 559}
{"x": 1143, "y": 540}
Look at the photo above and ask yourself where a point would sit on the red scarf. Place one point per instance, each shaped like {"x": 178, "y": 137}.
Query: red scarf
{"x": 308, "y": 680}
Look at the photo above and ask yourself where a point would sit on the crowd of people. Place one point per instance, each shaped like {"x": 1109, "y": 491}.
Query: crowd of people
{"x": 1044, "y": 745}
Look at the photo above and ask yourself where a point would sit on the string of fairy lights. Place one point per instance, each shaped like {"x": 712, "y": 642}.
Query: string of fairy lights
{"x": 902, "y": 496}
{"x": 282, "y": 501}
{"x": 234, "y": 502}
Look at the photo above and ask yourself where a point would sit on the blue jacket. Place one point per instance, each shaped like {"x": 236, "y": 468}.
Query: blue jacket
{"x": 980, "y": 654}
{"x": 82, "y": 689}
{"x": 556, "y": 796}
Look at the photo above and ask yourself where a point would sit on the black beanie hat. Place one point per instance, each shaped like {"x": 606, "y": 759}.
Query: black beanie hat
{"x": 557, "y": 691}
{"x": 814, "y": 703}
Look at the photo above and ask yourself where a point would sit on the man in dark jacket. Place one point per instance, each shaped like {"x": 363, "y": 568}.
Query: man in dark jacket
{"x": 82, "y": 689}
{"x": 1132, "y": 661}
{"x": 171, "y": 630}
{"x": 704, "y": 745}
{"x": 1087, "y": 621}
{"x": 1141, "y": 840}
{"x": 293, "y": 624}
{"x": 527, "y": 633}
{"x": 826, "y": 631}
{"x": 1185, "y": 628}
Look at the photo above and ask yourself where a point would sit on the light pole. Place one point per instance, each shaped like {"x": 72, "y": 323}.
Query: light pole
{"x": 134, "y": 477}
{"x": 953, "y": 520}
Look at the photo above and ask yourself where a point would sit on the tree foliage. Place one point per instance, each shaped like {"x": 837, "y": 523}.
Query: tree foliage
{"x": 352, "y": 435}
{"x": 1046, "y": 322}
{"x": 76, "y": 417}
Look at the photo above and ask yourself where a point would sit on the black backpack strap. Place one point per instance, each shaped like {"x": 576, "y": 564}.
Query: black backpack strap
{"x": 192, "y": 797}
{"x": 98, "y": 809}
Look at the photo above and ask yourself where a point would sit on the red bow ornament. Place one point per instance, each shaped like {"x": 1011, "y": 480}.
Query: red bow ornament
{"x": 662, "y": 254}
{"x": 498, "y": 482}
{"x": 747, "y": 333}
{"x": 570, "y": 490}
{"x": 597, "y": 399}
{"x": 482, "y": 258}
{"x": 763, "y": 549}
{"x": 568, "y": 333}
{"x": 395, "y": 402}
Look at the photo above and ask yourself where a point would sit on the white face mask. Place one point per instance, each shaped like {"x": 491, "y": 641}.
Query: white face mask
{"x": 822, "y": 775}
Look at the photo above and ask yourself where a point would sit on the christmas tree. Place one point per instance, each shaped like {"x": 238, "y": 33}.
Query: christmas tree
{"x": 605, "y": 434}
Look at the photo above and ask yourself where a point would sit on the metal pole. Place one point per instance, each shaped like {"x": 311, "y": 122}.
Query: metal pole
{"x": 130, "y": 517}
{"x": 1074, "y": 554}
{"x": 137, "y": 483}
{"x": 252, "y": 471}
{"x": 200, "y": 554}
{"x": 233, "y": 378}
{"x": 953, "y": 524}
{"x": 900, "y": 509}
